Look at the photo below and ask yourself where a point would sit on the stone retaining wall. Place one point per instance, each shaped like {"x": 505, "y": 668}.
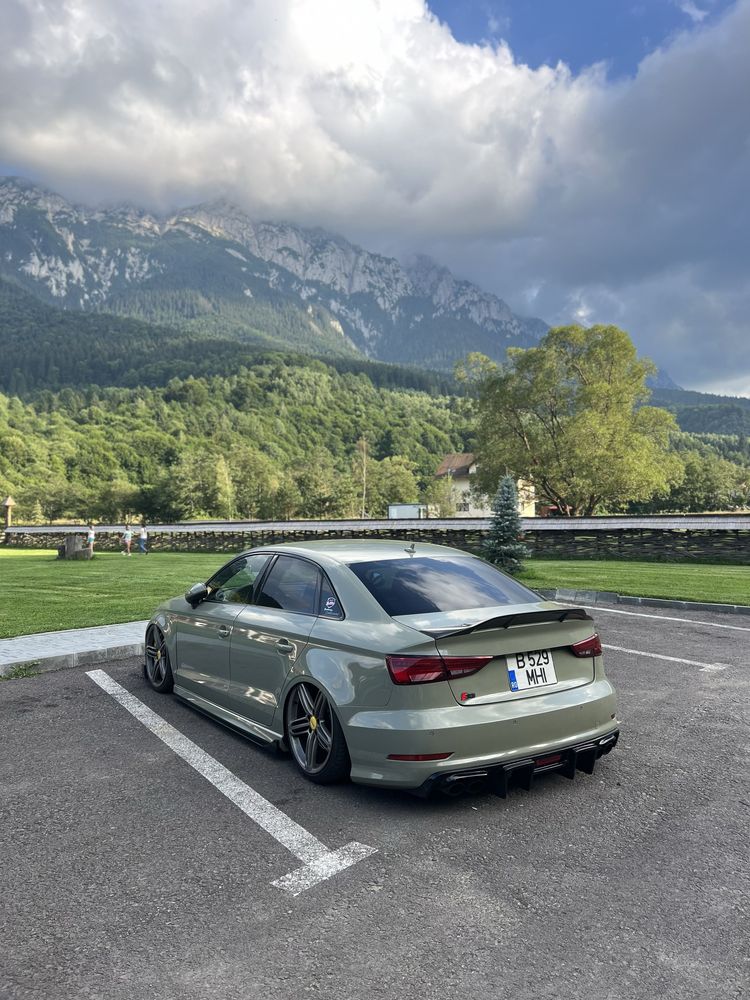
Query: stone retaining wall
{"x": 656, "y": 544}
{"x": 563, "y": 541}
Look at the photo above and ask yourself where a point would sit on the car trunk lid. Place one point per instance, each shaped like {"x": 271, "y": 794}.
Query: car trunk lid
{"x": 503, "y": 632}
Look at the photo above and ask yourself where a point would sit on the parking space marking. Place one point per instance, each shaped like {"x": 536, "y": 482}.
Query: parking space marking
{"x": 674, "y": 659}
{"x": 659, "y": 618}
{"x": 322, "y": 868}
{"x": 320, "y": 862}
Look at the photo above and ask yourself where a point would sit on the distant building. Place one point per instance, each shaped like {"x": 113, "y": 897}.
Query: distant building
{"x": 415, "y": 511}
{"x": 461, "y": 468}
{"x": 526, "y": 498}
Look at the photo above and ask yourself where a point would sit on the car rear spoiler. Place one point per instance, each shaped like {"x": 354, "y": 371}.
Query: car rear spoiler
{"x": 508, "y": 621}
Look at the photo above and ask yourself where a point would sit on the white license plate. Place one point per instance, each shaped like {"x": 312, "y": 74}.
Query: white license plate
{"x": 531, "y": 670}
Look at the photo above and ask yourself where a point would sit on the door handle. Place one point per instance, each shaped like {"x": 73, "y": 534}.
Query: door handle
{"x": 224, "y": 631}
{"x": 284, "y": 646}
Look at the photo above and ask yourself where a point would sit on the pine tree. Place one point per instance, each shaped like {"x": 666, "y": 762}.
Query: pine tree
{"x": 503, "y": 546}
{"x": 37, "y": 514}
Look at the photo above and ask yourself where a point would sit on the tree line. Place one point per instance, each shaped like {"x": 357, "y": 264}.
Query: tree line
{"x": 180, "y": 427}
{"x": 45, "y": 348}
{"x": 279, "y": 440}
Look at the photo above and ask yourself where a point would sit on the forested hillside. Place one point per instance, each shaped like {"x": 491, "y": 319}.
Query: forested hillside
{"x": 705, "y": 413}
{"x": 43, "y": 347}
{"x": 109, "y": 417}
{"x": 285, "y": 438}
{"x": 277, "y": 440}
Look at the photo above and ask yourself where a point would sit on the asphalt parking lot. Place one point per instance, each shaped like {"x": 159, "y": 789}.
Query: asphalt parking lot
{"x": 126, "y": 874}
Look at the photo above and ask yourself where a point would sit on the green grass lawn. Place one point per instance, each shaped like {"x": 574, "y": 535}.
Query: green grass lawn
{"x": 679, "y": 581}
{"x": 40, "y": 593}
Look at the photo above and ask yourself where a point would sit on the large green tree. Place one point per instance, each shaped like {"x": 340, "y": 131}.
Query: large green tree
{"x": 568, "y": 416}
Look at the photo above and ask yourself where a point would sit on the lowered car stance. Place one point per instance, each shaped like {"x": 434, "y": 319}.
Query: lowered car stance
{"x": 403, "y": 665}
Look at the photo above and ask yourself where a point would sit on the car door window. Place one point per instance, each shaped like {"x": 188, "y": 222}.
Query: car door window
{"x": 234, "y": 584}
{"x": 329, "y": 605}
{"x": 291, "y": 585}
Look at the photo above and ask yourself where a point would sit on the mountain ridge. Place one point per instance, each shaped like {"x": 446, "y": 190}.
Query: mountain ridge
{"x": 222, "y": 269}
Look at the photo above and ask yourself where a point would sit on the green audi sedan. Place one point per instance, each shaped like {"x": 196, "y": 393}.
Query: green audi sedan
{"x": 403, "y": 665}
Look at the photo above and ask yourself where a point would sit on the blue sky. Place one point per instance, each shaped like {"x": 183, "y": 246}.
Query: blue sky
{"x": 576, "y": 32}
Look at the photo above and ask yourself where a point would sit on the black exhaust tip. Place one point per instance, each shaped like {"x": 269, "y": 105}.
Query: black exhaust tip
{"x": 464, "y": 784}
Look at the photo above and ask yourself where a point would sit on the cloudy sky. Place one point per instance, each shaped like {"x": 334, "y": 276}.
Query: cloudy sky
{"x": 587, "y": 160}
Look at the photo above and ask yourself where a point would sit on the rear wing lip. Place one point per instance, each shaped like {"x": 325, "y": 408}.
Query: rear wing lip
{"x": 508, "y": 621}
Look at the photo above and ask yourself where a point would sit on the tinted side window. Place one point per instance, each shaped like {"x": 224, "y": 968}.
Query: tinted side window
{"x": 233, "y": 584}
{"x": 418, "y": 586}
{"x": 292, "y": 585}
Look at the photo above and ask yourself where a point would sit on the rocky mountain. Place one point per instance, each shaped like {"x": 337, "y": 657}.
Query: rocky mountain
{"x": 215, "y": 271}
{"x": 663, "y": 380}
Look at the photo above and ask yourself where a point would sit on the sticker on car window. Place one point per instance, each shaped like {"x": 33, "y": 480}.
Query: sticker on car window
{"x": 329, "y": 607}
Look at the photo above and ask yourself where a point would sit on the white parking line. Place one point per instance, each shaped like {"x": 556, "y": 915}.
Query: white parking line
{"x": 320, "y": 862}
{"x": 661, "y": 618}
{"x": 672, "y": 659}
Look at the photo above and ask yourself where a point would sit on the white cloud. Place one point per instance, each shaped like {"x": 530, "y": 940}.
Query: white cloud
{"x": 370, "y": 118}
{"x": 695, "y": 13}
{"x": 498, "y": 22}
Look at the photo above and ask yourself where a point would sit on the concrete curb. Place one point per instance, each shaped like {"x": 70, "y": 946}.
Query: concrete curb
{"x": 81, "y": 658}
{"x": 76, "y": 647}
{"x": 608, "y": 597}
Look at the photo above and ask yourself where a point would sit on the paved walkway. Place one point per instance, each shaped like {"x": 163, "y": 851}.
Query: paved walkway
{"x": 73, "y": 647}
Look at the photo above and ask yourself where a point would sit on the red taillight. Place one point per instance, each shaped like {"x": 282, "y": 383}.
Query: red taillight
{"x": 462, "y": 666}
{"x": 419, "y": 756}
{"x": 416, "y": 669}
{"x": 588, "y": 647}
{"x": 425, "y": 669}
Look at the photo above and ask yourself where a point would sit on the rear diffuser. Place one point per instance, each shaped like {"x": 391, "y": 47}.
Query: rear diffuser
{"x": 501, "y": 778}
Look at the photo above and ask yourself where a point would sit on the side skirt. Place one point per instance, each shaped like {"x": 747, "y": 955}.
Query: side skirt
{"x": 246, "y": 727}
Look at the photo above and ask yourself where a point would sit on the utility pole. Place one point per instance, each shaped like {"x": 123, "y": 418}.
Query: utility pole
{"x": 362, "y": 445}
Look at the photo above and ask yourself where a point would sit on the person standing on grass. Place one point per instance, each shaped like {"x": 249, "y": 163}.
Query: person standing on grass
{"x": 127, "y": 539}
{"x": 90, "y": 539}
{"x": 142, "y": 539}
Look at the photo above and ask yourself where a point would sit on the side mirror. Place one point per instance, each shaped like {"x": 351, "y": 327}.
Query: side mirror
{"x": 197, "y": 593}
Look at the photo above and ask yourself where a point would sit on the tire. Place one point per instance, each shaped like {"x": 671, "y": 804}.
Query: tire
{"x": 314, "y": 736}
{"x": 156, "y": 667}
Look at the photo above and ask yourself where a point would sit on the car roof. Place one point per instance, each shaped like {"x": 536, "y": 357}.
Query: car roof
{"x": 349, "y": 550}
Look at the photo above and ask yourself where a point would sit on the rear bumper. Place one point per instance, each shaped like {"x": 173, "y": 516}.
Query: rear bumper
{"x": 478, "y": 738}
{"x": 500, "y": 778}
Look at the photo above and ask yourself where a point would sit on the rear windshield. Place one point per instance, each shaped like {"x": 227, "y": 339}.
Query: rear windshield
{"x": 420, "y": 585}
